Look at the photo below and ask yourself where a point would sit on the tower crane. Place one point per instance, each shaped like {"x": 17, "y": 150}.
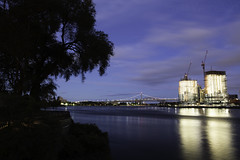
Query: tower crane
{"x": 186, "y": 74}
{"x": 203, "y": 63}
{"x": 189, "y": 67}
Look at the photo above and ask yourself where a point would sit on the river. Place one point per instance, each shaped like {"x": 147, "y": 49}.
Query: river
{"x": 149, "y": 133}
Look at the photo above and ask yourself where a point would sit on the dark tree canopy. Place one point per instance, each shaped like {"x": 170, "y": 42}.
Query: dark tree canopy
{"x": 42, "y": 39}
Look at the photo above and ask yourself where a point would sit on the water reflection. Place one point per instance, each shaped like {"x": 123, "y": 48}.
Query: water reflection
{"x": 220, "y": 139}
{"x": 210, "y": 112}
{"x": 206, "y": 138}
{"x": 190, "y": 131}
{"x": 166, "y": 133}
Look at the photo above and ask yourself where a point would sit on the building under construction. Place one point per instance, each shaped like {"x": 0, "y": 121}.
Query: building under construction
{"x": 216, "y": 87}
{"x": 214, "y": 93}
{"x": 188, "y": 90}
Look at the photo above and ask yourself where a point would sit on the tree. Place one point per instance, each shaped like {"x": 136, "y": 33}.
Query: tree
{"x": 42, "y": 39}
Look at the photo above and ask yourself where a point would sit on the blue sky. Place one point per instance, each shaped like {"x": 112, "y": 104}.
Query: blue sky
{"x": 155, "y": 40}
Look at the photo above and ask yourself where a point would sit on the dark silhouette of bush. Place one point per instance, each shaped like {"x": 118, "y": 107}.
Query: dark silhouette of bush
{"x": 35, "y": 142}
{"x": 46, "y": 140}
{"x": 85, "y": 142}
{"x": 17, "y": 108}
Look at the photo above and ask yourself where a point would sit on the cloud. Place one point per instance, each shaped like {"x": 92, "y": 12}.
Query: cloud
{"x": 161, "y": 72}
{"x": 233, "y": 32}
{"x": 150, "y": 61}
{"x": 131, "y": 52}
{"x": 155, "y": 40}
{"x": 163, "y": 53}
{"x": 180, "y": 36}
{"x": 117, "y": 8}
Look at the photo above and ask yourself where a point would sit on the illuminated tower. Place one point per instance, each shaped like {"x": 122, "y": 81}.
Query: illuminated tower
{"x": 216, "y": 87}
{"x": 188, "y": 91}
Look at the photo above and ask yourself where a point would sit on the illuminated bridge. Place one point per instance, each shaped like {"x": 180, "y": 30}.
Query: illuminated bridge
{"x": 139, "y": 98}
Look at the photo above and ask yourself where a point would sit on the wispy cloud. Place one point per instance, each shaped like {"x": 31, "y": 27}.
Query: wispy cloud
{"x": 118, "y": 8}
{"x": 179, "y": 36}
{"x": 189, "y": 42}
{"x": 155, "y": 40}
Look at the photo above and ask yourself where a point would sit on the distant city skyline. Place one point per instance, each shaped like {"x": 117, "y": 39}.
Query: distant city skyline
{"x": 155, "y": 40}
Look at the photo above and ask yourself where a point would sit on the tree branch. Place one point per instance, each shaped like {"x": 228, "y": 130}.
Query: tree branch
{"x": 63, "y": 32}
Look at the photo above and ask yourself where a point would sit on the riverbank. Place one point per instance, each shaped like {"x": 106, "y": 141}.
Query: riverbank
{"x": 51, "y": 136}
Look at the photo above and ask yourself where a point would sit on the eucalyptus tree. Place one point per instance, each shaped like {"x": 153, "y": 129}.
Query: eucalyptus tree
{"x": 42, "y": 39}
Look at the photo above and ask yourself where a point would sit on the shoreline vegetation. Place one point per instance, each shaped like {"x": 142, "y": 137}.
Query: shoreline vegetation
{"x": 27, "y": 133}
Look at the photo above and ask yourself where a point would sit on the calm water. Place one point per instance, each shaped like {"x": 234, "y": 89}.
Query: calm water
{"x": 166, "y": 133}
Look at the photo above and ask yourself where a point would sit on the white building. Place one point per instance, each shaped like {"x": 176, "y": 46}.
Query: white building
{"x": 188, "y": 91}
{"x": 216, "y": 87}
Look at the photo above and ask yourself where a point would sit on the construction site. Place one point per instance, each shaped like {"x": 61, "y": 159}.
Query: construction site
{"x": 215, "y": 93}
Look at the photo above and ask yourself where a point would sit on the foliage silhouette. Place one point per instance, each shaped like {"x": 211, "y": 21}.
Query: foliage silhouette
{"x": 45, "y": 138}
{"x": 44, "y": 39}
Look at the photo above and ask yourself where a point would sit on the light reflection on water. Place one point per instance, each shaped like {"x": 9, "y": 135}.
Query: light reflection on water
{"x": 189, "y": 131}
{"x": 220, "y": 140}
{"x": 206, "y": 139}
{"x": 208, "y": 112}
{"x": 166, "y": 133}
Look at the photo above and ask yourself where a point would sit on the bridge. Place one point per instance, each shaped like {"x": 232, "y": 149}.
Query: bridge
{"x": 140, "y": 98}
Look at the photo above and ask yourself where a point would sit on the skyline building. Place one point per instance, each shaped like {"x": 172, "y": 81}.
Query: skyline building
{"x": 216, "y": 87}
{"x": 215, "y": 91}
{"x": 188, "y": 90}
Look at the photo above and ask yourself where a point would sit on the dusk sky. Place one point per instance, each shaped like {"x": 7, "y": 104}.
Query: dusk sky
{"x": 155, "y": 40}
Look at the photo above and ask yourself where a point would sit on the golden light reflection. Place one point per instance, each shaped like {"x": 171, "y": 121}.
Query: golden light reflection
{"x": 220, "y": 139}
{"x": 203, "y": 138}
{"x": 210, "y": 112}
{"x": 189, "y": 131}
{"x": 190, "y": 111}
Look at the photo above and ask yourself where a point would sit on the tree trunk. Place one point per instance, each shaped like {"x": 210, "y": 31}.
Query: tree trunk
{"x": 35, "y": 91}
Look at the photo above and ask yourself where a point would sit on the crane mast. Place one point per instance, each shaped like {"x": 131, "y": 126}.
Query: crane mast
{"x": 203, "y": 63}
{"x": 186, "y": 74}
{"x": 189, "y": 68}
